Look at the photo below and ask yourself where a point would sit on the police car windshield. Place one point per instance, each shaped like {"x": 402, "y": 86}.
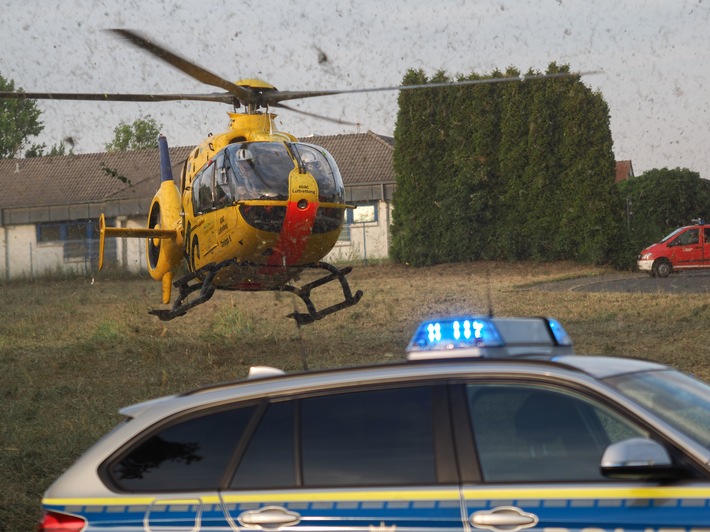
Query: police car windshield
{"x": 678, "y": 399}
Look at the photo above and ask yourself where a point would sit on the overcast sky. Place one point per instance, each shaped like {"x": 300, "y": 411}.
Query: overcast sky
{"x": 654, "y": 54}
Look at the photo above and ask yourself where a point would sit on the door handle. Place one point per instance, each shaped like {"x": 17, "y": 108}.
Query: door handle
{"x": 269, "y": 517}
{"x": 504, "y": 518}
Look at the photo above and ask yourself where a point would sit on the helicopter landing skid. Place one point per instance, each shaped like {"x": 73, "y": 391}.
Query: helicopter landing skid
{"x": 207, "y": 289}
{"x": 304, "y": 293}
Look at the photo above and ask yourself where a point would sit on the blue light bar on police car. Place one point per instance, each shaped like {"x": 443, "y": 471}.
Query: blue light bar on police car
{"x": 559, "y": 332}
{"x": 484, "y": 336}
{"x": 455, "y": 333}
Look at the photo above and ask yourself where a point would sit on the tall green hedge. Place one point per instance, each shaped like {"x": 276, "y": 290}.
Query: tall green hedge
{"x": 518, "y": 170}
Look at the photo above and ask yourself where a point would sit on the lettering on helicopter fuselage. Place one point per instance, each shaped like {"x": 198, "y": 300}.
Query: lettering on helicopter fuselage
{"x": 225, "y": 242}
{"x": 303, "y": 189}
{"x": 222, "y": 228}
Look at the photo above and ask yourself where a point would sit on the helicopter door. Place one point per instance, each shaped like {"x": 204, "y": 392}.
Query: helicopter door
{"x": 203, "y": 238}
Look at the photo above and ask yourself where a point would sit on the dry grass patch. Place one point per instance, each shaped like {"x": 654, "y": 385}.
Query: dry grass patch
{"x": 73, "y": 352}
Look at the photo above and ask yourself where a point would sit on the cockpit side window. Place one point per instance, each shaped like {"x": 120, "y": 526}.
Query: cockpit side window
{"x": 202, "y": 198}
{"x": 320, "y": 164}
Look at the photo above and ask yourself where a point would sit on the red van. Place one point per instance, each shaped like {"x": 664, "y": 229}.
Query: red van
{"x": 685, "y": 248}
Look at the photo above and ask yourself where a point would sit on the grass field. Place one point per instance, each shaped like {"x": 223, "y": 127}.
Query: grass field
{"x": 73, "y": 351}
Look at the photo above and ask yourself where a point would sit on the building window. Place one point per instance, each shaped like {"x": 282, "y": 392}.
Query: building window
{"x": 79, "y": 238}
{"x": 344, "y": 233}
{"x": 49, "y": 233}
{"x": 364, "y": 213}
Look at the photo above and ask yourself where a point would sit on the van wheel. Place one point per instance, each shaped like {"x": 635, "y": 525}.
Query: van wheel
{"x": 662, "y": 268}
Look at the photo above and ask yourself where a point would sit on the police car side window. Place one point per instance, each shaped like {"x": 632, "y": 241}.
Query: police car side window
{"x": 192, "y": 454}
{"x": 368, "y": 438}
{"x": 269, "y": 459}
{"x": 537, "y": 434}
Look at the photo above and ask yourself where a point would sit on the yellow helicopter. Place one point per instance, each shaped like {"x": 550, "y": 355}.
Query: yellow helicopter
{"x": 254, "y": 207}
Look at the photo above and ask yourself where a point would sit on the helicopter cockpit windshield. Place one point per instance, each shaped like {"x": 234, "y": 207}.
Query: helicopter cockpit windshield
{"x": 260, "y": 170}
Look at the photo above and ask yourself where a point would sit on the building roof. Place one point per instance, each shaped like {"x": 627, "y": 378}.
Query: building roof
{"x": 624, "y": 170}
{"x": 123, "y": 183}
{"x": 76, "y": 179}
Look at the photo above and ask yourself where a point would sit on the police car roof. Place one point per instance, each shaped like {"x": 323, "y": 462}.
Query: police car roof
{"x": 595, "y": 367}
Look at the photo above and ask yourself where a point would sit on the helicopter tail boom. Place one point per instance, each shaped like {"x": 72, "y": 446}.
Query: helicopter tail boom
{"x": 128, "y": 232}
{"x": 163, "y": 235}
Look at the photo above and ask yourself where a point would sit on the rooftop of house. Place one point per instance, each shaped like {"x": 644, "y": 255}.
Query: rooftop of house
{"x": 624, "y": 170}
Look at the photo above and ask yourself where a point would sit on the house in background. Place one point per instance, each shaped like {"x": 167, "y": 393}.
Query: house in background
{"x": 50, "y": 207}
{"x": 49, "y": 212}
{"x": 624, "y": 170}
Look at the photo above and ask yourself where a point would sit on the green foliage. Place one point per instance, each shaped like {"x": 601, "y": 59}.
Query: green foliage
{"x": 588, "y": 225}
{"x": 59, "y": 149}
{"x": 142, "y": 133}
{"x": 503, "y": 171}
{"x": 107, "y": 331}
{"x": 115, "y": 174}
{"x": 230, "y": 322}
{"x": 19, "y": 120}
{"x": 659, "y": 201}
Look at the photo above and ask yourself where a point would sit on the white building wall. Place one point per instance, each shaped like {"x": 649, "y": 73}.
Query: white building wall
{"x": 131, "y": 252}
{"x": 23, "y": 258}
{"x": 4, "y": 256}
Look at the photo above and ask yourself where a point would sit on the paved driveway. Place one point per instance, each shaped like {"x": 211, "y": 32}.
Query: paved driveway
{"x": 681, "y": 283}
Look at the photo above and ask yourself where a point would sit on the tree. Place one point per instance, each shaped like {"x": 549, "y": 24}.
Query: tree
{"x": 661, "y": 200}
{"x": 512, "y": 242}
{"x": 19, "y": 120}
{"x": 417, "y": 177}
{"x": 142, "y": 133}
{"x": 521, "y": 171}
{"x": 59, "y": 149}
{"x": 588, "y": 227}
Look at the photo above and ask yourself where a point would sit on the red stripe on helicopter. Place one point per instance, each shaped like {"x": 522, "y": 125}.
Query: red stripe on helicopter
{"x": 295, "y": 233}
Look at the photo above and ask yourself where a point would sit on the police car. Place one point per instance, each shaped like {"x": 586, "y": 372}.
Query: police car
{"x": 493, "y": 424}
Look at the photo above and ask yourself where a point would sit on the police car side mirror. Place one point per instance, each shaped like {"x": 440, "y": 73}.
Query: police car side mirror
{"x": 637, "y": 458}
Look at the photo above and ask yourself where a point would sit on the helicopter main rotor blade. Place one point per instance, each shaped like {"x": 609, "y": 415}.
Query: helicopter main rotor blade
{"x": 189, "y": 68}
{"x": 210, "y": 97}
{"x": 314, "y": 115}
{"x": 279, "y": 96}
